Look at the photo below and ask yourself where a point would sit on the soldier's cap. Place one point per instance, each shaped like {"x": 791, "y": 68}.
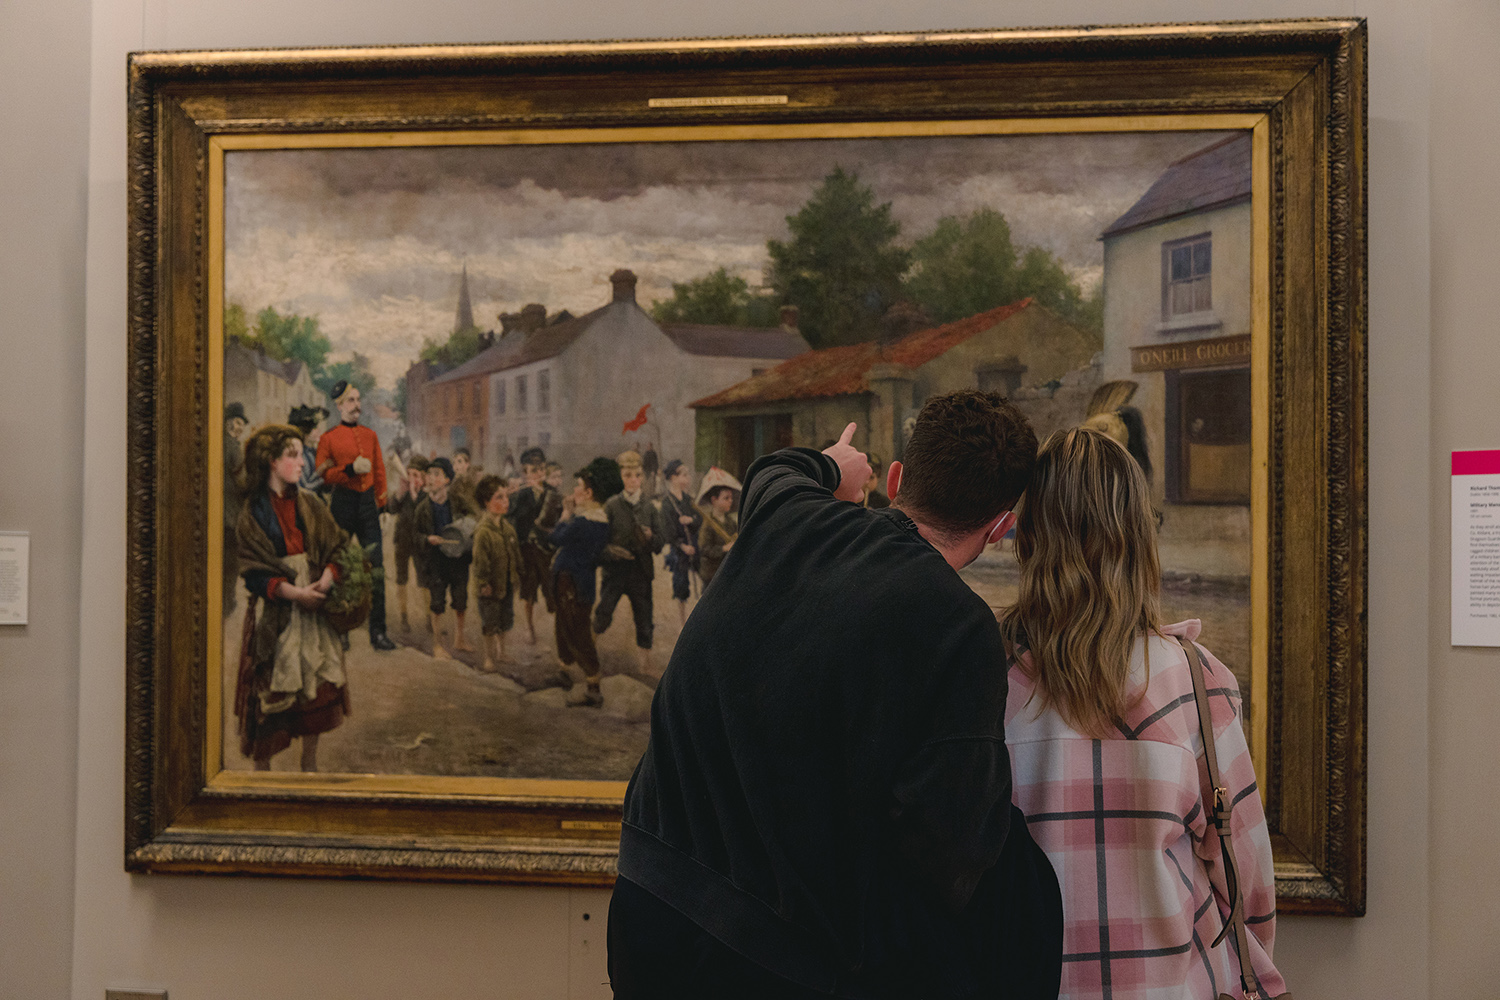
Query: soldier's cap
{"x": 533, "y": 456}
{"x": 629, "y": 459}
{"x": 235, "y": 410}
{"x": 339, "y": 388}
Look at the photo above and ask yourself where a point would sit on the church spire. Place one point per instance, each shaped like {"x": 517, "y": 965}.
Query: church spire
{"x": 465, "y": 318}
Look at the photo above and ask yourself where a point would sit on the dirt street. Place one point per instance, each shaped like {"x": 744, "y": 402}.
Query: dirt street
{"x": 414, "y": 714}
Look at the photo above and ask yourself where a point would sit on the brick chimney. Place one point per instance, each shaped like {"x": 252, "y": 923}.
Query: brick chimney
{"x": 789, "y": 318}
{"x": 624, "y": 283}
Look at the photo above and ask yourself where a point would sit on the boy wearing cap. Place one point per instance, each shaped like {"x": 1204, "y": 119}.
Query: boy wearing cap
{"x": 497, "y": 569}
{"x": 635, "y": 536}
{"x": 447, "y": 576}
{"x": 681, "y": 518}
{"x": 535, "y": 510}
{"x": 350, "y": 460}
{"x": 409, "y": 492}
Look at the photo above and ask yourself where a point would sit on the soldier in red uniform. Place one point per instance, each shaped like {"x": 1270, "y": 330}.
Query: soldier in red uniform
{"x": 349, "y": 460}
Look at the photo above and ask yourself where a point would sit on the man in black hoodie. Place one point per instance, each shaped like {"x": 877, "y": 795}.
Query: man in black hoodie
{"x": 824, "y": 805}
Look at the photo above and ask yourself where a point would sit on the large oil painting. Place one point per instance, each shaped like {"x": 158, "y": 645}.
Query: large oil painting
{"x": 503, "y": 315}
{"x": 429, "y": 286}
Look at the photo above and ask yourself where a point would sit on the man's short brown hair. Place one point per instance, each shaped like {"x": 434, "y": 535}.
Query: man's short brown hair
{"x": 969, "y": 459}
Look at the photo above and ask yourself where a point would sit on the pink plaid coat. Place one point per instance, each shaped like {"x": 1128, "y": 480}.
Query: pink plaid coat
{"x": 1122, "y": 821}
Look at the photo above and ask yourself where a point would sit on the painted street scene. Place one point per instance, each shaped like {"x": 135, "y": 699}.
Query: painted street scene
{"x": 488, "y": 409}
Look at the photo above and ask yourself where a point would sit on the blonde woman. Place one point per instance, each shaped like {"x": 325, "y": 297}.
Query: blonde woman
{"x": 1105, "y": 746}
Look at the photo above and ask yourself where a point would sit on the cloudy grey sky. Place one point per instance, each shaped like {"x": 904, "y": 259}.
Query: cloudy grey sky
{"x": 371, "y": 241}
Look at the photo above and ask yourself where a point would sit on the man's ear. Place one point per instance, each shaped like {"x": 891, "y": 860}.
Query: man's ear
{"x": 1002, "y": 524}
{"x": 893, "y": 480}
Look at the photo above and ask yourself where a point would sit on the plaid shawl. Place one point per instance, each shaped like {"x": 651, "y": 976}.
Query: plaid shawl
{"x": 1122, "y": 821}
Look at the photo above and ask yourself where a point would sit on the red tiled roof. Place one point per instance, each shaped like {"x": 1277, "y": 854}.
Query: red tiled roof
{"x": 840, "y": 371}
{"x": 1215, "y": 175}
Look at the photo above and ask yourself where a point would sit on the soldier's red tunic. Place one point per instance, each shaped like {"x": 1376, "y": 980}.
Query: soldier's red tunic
{"x": 341, "y": 446}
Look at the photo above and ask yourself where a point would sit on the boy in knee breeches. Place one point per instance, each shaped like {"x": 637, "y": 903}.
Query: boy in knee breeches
{"x": 497, "y": 565}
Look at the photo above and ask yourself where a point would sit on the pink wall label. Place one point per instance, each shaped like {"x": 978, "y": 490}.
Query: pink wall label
{"x": 1476, "y": 463}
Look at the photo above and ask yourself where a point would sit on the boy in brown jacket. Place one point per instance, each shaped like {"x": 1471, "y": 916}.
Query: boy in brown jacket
{"x": 497, "y": 569}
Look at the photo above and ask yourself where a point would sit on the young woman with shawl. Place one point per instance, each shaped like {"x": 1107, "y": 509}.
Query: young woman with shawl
{"x": 292, "y": 680}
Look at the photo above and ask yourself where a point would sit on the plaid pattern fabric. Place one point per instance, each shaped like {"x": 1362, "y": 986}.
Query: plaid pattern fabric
{"x": 1122, "y": 821}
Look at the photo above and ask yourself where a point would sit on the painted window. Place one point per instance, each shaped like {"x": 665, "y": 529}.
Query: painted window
{"x": 1186, "y": 276}
{"x": 499, "y": 388}
{"x": 520, "y": 393}
{"x": 543, "y": 390}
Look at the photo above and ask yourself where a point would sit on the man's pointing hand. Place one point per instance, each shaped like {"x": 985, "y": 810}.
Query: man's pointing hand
{"x": 854, "y": 467}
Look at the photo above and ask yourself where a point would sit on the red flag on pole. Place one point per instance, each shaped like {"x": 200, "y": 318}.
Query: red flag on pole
{"x": 638, "y": 422}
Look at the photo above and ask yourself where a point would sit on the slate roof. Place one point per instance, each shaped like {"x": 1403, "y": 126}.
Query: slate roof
{"x": 287, "y": 370}
{"x": 1210, "y": 178}
{"x": 736, "y": 341}
{"x": 518, "y": 349}
{"x": 841, "y": 371}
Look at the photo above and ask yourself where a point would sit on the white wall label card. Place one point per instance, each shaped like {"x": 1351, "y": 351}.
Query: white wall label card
{"x": 1476, "y": 548}
{"x": 15, "y": 557}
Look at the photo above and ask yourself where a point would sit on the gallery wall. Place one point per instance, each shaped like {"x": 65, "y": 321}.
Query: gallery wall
{"x": 69, "y": 914}
{"x": 44, "y": 70}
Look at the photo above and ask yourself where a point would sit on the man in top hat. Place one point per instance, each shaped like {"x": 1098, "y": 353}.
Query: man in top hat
{"x": 629, "y": 563}
{"x": 350, "y": 461}
{"x": 234, "y": 497}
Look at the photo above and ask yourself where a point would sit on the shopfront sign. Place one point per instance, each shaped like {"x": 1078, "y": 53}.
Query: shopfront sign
{"x": 1219, "y": 352}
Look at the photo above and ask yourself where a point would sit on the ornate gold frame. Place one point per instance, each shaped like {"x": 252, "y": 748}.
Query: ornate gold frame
{"x": 1298, "y": 85}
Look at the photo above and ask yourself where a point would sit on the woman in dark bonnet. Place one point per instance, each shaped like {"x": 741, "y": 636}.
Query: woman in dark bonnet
{"x": 291, "y": 680}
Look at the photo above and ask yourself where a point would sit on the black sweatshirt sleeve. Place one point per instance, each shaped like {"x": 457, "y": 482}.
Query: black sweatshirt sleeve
{"x": 952, "y": 797}
{"x": 790, "y": 469}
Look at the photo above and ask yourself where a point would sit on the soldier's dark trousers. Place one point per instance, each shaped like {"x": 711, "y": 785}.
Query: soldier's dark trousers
{"x": 625, "y": 579}
{"x": 356, "y": 513}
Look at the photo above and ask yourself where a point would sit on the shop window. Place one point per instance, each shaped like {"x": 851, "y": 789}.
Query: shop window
{"x": 1186, "y": 276}
{"x": 1208, "y": 436}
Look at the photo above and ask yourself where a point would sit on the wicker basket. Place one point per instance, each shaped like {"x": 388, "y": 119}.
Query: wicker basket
{"x": 349, "y": 617}
{"x": 347, "y": 621}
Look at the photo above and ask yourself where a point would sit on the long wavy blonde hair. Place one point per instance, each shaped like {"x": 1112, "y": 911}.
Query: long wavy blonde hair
{"x": 1090, "y": 576}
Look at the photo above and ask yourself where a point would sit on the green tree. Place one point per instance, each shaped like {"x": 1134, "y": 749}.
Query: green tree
{"x": 966, "y": 266}
{"x": 356, "y": 371}
{"x": 292, "y": 338}
{"x": 237, "y": 325}
{"x": 399, "y": 403}
{"x": 719, "y": 298}
{"x": 461, "y": 345}
{"x": 841, "y": 267}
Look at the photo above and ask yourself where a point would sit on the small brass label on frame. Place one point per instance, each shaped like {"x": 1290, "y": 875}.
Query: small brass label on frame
{"x": 598, "y": 825}
{"x": 135, "y": 995}
{"x": 752, "y": 100}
